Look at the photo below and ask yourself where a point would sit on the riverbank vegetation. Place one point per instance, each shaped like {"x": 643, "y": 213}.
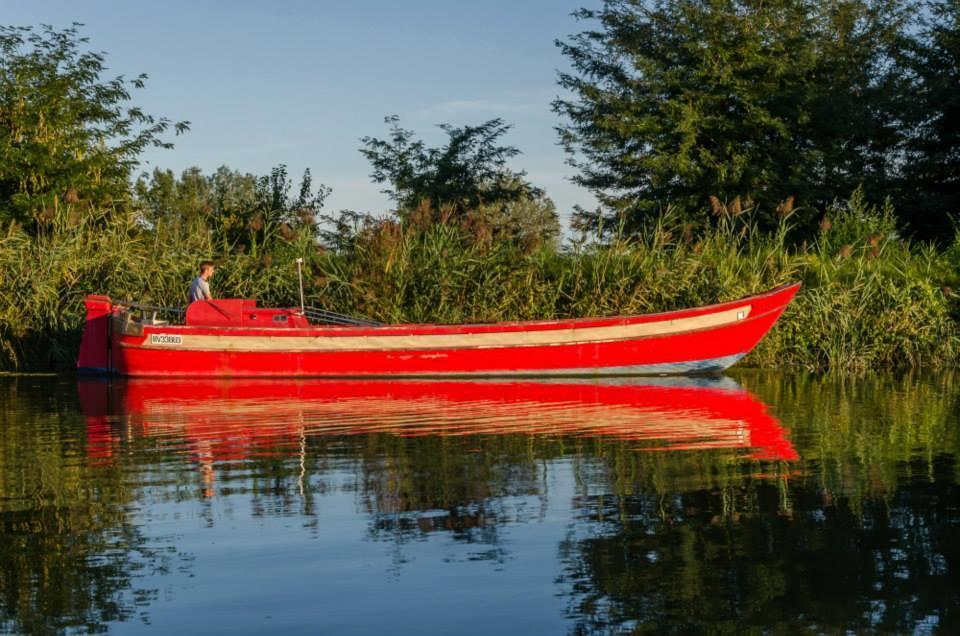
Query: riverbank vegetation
{"x": 869, "y": 300}
{"x": 770, "y": 169}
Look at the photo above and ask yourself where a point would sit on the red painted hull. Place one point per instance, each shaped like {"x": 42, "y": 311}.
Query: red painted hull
{"x": 238, "y": 419}
{"x": 700, "y": 340}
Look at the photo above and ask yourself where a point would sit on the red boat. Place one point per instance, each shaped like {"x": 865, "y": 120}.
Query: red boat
{"x": 234, "y": 337}
{"x": 235, "y": 419}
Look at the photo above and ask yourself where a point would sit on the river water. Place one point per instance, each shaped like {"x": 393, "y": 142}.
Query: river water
{"x": 757, "y": 502}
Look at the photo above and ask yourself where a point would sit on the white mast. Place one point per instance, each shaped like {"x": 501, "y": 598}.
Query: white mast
{"x": 300, "y": 278}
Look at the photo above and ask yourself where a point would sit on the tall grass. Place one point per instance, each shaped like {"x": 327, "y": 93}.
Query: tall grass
{"x": 870, "y": 300}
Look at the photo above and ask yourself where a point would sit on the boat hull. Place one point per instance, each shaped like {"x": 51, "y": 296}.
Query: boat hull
{"x": 701, "y": 340}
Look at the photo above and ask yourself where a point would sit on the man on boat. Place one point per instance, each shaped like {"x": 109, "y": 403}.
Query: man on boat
{"x": 200, "y": 288}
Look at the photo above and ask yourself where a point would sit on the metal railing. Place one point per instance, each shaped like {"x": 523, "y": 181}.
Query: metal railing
{"x": 315, "y": 314}
{"x": 333, "y": 318}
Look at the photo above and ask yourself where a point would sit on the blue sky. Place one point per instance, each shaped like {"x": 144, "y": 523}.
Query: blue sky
{"x": 300, "y": 82}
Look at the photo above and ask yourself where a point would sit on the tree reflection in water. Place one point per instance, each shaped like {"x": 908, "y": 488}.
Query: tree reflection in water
{"x": 724, "y": 560}
{"x": 861, "y": 535}
{"x": 70, "y": 555}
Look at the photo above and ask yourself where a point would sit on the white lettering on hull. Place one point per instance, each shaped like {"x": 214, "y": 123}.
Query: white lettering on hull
{"x": 164, "y": 339}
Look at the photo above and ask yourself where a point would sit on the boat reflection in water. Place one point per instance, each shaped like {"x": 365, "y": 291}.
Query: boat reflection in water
{"x": 228, "y": 420}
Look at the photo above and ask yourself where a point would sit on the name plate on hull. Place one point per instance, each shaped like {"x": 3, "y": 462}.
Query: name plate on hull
{"x": 165, "y": 339}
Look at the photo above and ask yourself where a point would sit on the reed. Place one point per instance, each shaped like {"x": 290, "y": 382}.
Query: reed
{"x": 870, "y": 299}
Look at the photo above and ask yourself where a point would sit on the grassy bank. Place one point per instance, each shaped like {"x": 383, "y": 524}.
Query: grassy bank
{"x": 870, "y": 300}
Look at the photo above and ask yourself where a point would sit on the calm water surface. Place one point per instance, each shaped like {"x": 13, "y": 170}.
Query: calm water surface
{"x": 758, "y": 503}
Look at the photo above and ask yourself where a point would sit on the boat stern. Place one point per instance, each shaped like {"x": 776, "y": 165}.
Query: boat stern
{"x": 95, "y": 343}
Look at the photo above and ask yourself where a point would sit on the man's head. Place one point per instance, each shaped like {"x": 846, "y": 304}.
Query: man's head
{"x": 206, "y": 270}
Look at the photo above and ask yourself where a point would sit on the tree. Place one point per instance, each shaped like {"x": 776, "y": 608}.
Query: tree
{"x": 468, "y": 171}
{"x": 242, "y": 210}
{"x": 529, "y": 222}
{"x": 676, "y": 101}
{"x": 66, "y": 135}
{"x": 932, "y": 190}
{"x": 465, "y": 180}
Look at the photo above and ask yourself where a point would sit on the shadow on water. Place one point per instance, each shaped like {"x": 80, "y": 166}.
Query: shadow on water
{"x": 779, "y": 503}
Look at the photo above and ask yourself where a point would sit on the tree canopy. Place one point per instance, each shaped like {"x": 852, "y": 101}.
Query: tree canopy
{"x": 67, "y": 136}
{"x": 469, "y": 170}
{"x": 696, "y": 105}
{"x": 932, "y": 183}
{"x": 465, "y": 179}
{"x": 241, "y": 210}
{"x": 673, "y": 102}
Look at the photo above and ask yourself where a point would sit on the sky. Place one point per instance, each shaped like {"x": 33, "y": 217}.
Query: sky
{"x": 300, "y": 83}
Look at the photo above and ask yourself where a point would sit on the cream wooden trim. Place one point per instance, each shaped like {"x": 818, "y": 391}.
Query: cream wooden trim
{"x": 542, "y": 337}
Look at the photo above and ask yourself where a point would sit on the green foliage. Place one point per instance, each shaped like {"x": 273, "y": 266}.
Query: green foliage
{"x": 468, "y": 171}
{"x": 932, "y": 183}
{"x": 675, "y": 101}
{"x": 47, "y": 276}
{"x": 526, "y": 222}
{"x": 465, "y": 182}
{"x": 67, "y": 137}
{"x": 241, "y": 211}
{"x": 869, "y": 299}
